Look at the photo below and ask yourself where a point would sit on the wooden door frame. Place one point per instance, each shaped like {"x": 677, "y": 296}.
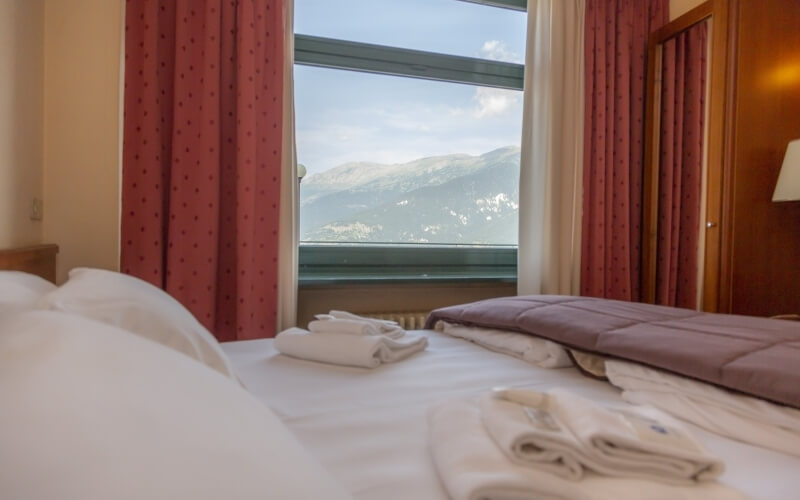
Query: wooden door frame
{"x": 718, "y": 130}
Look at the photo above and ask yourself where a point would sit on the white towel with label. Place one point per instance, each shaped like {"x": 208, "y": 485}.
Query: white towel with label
{"x": 567, "y": 435}
{"x": 472, "y": 467}
{"x": 537, "y": 351}
{"x": 345, "y": 322}
{"x": 368, "y": 351}
{"x": 736, "y": 416}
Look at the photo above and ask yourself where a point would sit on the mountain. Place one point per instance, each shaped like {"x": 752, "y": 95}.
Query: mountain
{"x": 443, "y": 199}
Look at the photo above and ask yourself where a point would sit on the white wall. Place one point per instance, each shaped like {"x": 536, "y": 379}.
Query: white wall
{"x": 21, "y": 63}
{"x": 81, "y": 131}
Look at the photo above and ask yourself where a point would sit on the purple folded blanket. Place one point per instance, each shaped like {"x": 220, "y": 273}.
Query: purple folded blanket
{"x": 755, "y": 356}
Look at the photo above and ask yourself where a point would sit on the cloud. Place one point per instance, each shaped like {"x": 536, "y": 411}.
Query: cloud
{"x": 491, "y": 101}
{"x": 416, "y": 119}
{"x": 487, "y": 102}
{"x": 498, "y": 51}
{"x": 388, "y": 133}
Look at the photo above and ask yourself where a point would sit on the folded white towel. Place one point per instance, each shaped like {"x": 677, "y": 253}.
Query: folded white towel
{"x": 345, "y": 326}
{"x": 567, "y": 434}
{"x": 736, "y": 416}
{"x": 355, "y": 326}
{"x": 540, "y": 352}
{"x": 366, "y": 351}
{"x": 472, "y": 467}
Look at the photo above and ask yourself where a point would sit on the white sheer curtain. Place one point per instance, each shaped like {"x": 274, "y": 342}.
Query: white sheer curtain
{"x": 551, "y": 163}
{"x": 288, "y": 233}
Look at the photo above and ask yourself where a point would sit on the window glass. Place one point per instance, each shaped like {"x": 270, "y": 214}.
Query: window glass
{"x": 402, "y": 160}
{"x": 444, "y": 26}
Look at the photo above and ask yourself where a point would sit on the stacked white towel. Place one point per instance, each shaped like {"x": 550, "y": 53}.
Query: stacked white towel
{"x": 345, "y": 322}
{"x": 367, "y": 351}
{"x": 473, "y": 467}
{"x": 540, "y": 352}
{"x": 566, "y": 434}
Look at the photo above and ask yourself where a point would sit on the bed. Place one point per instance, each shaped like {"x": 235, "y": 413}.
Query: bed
{"x": 369, "y": 427}
{"x": 360, "y": 433}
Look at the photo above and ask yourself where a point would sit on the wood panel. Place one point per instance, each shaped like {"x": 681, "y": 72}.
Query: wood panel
{"x": 39, "y": 260}
{"x": 652, "y": 136}
{"x": 723, "y": 69}
{"x": 764, "y": 263}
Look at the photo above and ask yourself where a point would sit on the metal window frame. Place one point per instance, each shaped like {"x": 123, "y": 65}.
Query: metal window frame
{"x": 370, "y": 58}
{"x": 505, "y": 4}
{"x": 361, "y": 263}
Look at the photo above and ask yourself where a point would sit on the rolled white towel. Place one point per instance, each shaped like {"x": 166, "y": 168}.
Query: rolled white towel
{"x": 384, "y": 327}
{"x": 566, "y": 434}
{"x": 367, "y": 351}
{"x": 472, "y": 467}
{"x": 540, "y": 352}
{"x": 344, "y": 326}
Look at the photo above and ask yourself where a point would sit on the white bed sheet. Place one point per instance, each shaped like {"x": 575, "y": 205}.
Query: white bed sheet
{"x": 368, "y": 427}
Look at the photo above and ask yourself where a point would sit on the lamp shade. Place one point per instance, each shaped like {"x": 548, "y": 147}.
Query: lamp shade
{"x": 788, "y": 187}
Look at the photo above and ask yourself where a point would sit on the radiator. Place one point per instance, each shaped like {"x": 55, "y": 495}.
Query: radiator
{"x": 411, "y": 320}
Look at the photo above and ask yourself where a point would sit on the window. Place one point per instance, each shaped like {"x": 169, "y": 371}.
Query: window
{"x": 408, "y": 122}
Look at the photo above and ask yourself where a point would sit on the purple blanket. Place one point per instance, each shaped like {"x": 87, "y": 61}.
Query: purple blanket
{"x": 755, "y": 356}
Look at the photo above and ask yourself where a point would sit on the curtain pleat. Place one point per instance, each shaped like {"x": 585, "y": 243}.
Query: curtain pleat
{"x": 288, "y": 259}
{"x": 202, "y": 153}
{"x": 551, "y": 159}
{"x": 681, "y": 166}
{"x": 615, "y": 50}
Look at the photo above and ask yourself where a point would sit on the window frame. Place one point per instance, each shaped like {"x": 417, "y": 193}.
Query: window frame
{"x": 348, "y": 263}
{"x": 382, "y": 59}
{"x": 362, "y": 263}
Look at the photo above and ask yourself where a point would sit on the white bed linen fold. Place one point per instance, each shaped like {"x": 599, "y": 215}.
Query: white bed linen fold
{"x": 369, "y": 428}
{"x": 736, "y": 416}
{"x": 367, "y": 351}
{"x": 540, "y": 352}
{"x": 472, "y": 467}
{"x": 568, "y": 435}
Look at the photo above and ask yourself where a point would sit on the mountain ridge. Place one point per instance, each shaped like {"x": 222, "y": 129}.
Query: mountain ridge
{"x": 422, "y": 201}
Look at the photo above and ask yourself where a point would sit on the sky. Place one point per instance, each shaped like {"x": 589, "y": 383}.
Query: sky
{"x": 345, "y": 116}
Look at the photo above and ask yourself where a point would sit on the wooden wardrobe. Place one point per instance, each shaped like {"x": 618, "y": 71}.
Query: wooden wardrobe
{"x": 751, "y": 263}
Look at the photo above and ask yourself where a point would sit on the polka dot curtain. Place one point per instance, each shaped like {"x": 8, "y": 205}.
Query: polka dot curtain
{"x": 202, "y": 159}
{"x": 615, "y": 56}
{"x": 681, "y": 167}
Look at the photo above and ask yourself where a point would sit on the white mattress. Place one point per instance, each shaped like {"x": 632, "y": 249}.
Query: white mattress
{"x": 368, "y": 427}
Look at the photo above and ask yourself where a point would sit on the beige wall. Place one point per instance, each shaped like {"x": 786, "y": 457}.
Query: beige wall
{"x": 21, "y": 63}
{"x": 679, "y": 7}
{"x": 81, "y": 131}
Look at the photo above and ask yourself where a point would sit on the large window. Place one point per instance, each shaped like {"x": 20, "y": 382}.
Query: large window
{"x": 408, "y": 124}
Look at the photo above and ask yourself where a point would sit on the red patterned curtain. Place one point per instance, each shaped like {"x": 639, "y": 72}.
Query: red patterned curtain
{"x": 681, "y": 167}
{"x": 202, "y": 159}
{"x": 615, "y": 58}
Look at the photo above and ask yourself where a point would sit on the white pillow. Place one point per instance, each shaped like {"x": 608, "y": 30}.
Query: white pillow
{"x": 22, "y": 289}
{"x": 91, "y": 412}
{"x": 139, "y": 307}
